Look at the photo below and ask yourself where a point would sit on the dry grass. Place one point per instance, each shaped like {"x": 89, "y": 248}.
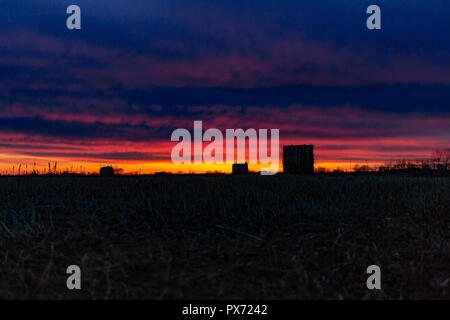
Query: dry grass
{"x": 282, "y": 237}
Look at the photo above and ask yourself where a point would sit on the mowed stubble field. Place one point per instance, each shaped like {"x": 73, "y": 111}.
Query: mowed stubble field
{"x": 225, "y": 237}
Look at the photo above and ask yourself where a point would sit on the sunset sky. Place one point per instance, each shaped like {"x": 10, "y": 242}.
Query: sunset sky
{"x": 113, "y": 92}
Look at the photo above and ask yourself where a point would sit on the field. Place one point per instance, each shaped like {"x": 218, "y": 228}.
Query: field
{"x": 225, "y": 237}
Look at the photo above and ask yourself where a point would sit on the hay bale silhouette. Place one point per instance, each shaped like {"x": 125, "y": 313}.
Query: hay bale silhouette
{"x": 240, "y": 168}
{"x": 107, "y": 172}
{"x": 298, "y": 159}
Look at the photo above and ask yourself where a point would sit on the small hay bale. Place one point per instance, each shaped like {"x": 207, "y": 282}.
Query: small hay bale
{"x": 107, "y": 172}
{"x": 240, "y": 168}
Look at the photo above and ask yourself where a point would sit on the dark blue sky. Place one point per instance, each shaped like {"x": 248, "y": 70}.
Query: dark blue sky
{"x": 139, "y": 69}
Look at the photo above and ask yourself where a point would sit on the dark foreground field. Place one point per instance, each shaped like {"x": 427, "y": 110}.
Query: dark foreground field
{"x": 282, "y": 237}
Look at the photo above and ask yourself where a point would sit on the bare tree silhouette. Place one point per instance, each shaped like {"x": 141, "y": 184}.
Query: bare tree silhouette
{"x": 441, "y": 157}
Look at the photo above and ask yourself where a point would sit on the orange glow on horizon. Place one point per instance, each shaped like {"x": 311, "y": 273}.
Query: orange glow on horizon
{"x": 10, "y": 164}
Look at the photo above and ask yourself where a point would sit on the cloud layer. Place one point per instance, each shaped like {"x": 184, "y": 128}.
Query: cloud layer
{"x": 114, "y": 91}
